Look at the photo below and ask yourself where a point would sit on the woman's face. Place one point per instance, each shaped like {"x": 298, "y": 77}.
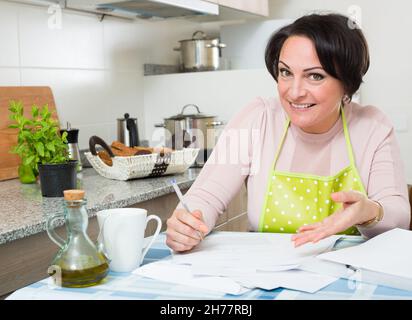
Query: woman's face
{"x": 309, "y": 95}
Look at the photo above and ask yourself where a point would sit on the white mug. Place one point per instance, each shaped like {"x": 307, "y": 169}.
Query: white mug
{"x": 121, "y": 236}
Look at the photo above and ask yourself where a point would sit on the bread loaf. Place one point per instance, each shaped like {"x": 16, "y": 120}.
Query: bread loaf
{"x": 121, "y": 150}
{"x": 105, "y": 157}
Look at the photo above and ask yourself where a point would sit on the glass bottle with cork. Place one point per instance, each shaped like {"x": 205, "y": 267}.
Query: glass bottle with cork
{"x": 78, "y": 263}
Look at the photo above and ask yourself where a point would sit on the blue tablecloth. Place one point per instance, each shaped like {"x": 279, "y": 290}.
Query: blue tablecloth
{"x": 130, "y": 286}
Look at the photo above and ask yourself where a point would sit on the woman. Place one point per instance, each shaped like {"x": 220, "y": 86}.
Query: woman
{"x": 317, "y": 164}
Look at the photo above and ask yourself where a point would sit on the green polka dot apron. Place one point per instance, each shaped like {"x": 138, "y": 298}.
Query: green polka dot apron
{"x": 296, "y": 199}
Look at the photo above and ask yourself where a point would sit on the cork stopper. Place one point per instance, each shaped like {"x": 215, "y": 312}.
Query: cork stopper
{"x": 73, "y": 194}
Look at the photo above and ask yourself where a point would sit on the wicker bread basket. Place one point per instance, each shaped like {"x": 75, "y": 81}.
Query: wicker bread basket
{"x": 148, "y": 165}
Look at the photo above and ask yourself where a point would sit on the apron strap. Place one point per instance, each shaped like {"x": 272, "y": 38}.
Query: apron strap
{"x": 347, "y": 138}
{"x": 281, "y": 142}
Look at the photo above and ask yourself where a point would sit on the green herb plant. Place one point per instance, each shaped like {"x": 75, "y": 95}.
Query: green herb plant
{"x": 38, "y": 140}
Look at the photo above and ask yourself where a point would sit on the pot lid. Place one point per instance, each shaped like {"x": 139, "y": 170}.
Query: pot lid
{"x": 199, "y": 35}
{"x": 182, "y": 115}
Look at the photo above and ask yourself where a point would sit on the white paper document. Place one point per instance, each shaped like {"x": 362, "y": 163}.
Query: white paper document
{"x": 260, "y": 251}
{"x": 232, "y": 262}
{"x": 204, "y": 270}
{"x": 292, "y": 279}
{"x": 385, "y": 259}
{"x": 182, "y": 274}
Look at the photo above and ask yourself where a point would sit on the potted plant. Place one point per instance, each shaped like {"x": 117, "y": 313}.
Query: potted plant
{"x": 43, "y": 151}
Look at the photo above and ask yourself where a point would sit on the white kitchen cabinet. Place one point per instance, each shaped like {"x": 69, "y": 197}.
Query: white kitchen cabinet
{"x": 259, "y": 7}
{"x": 228, "y": 9}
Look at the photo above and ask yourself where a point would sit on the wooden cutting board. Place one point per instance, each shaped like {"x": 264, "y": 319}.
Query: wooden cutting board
{"x": 40, "y": 96}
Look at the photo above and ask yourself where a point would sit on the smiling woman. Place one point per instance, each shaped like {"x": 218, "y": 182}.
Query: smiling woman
{"x": 318, "y": 61}
{"x": 315, "y": 163}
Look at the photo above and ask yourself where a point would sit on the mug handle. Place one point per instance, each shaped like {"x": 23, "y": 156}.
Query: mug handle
{"x": 159, "y": 226}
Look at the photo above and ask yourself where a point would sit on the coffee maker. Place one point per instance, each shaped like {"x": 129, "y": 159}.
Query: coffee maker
{"x": 127, "y": 131}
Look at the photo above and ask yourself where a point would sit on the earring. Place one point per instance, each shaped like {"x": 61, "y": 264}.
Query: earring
{"x": 346, "y": 99}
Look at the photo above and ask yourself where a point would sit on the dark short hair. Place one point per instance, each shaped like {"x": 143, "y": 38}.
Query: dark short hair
{"x": 340, "y": 44}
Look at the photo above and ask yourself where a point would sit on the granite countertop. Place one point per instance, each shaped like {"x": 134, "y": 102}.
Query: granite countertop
{"x": 23, "y": 210}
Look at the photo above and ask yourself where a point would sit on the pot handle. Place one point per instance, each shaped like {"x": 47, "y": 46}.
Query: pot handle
{"x": 176, "y": 49}
{"x": 215, "y": 124}
{"x": 203, "y": 35}
{"x": 160, "y": 125}
{"x": 188, "y": 105}
{"x": 219, "y": 45}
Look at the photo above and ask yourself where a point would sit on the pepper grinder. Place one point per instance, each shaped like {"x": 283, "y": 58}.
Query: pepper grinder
{"x": 72, "y": 139}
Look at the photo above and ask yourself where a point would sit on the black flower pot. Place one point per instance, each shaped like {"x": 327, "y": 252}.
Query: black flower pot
{"x": 55, "y": 178}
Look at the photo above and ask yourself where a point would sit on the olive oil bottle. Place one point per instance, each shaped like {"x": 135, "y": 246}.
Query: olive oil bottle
{"x": 78, "y": 263}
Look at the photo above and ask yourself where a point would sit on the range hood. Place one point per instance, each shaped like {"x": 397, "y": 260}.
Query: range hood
{"x": 147, "y": 9}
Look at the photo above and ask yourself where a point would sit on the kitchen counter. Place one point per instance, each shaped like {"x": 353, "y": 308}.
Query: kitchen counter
{"x": 23, "y": 210}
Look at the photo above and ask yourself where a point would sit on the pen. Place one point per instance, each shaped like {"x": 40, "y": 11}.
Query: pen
{"x": 180, "y": 196}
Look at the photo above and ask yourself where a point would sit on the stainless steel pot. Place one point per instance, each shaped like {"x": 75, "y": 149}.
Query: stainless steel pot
{"x": 196, "y": 130}
{"x": 200, "y": 53}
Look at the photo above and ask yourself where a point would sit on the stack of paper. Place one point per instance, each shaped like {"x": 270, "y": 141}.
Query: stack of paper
{"x": 385, "y": 259}
{"x": 231, "y": 262}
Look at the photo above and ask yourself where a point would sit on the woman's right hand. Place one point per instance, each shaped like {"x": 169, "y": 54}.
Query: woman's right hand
{"x": 183, "y": 230}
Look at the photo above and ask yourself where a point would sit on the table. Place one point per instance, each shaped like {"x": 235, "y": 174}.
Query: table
{"x": 125, "y": 286}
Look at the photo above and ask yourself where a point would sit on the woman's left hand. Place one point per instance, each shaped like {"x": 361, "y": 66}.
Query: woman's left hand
{"x": 357, "y": 209}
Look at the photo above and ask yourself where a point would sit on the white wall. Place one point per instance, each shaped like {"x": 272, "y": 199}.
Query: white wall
{"x": 94, "y": 68}
{"x": 217, "y": 93}
{"x": 387, "y": 26}
{"x": 246, "y": 42}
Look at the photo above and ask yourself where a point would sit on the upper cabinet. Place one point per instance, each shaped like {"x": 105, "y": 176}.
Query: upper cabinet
{"x": 201, "y": 10}
{"x": 258, "y": 7}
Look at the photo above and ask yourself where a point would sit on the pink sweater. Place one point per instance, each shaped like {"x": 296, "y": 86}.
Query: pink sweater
{"x": 247, "y": 156}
